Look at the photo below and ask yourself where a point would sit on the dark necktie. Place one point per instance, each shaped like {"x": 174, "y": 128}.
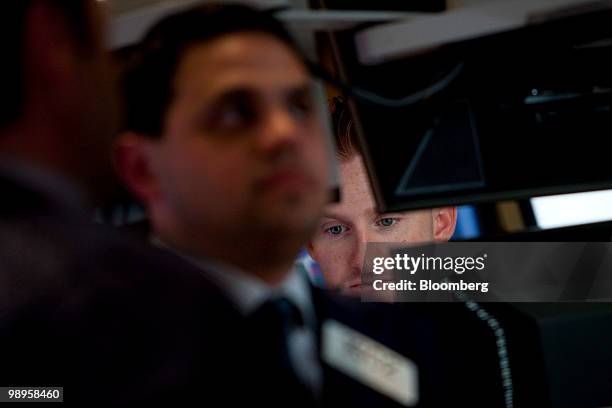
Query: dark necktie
{"x": 273, "y": 323}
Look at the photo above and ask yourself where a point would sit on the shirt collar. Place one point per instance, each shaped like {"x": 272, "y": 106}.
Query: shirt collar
{"x": 248, "y": 292}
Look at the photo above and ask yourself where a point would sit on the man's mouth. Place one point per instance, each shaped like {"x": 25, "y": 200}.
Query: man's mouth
{"x": 355, "y": 284}
{"x": 353, "y": 289}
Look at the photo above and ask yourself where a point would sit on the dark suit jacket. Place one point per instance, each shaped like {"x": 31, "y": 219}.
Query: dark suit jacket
{"x": 455, "y": 352}
{"x": 108, "y": 319}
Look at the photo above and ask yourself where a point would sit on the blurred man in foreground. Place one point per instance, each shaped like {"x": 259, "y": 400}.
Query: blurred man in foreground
{"x": 339, "y": 242}
{"x": 80, "y": 309}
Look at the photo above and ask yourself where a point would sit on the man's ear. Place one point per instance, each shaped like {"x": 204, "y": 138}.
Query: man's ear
{"x": 133, "y": 160}
{"x": 444, "y": 222}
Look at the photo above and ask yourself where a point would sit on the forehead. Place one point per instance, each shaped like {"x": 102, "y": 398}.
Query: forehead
{"x": 249, "y": 59}
{"x": 357, "y": 199}
{"x": 355, "y": 191}
{"x": 354, "y": 180}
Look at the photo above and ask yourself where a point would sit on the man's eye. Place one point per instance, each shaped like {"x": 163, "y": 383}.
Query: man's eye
{"x": 336, "y": 229}
{"x": 231, "y": 113}
{"x": 387, "y": 222}
{"x": 235, "y": 116}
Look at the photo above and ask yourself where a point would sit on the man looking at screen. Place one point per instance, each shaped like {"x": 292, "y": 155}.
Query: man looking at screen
{"x": 339, "y": 242}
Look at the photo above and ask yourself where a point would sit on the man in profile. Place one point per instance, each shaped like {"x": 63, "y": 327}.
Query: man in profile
{"x": 223, "y": 147}
{"x": 80, "y": 308}
{"x": 338, "y": 244}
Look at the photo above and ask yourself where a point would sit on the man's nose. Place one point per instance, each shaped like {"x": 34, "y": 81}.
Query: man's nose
{"x": 279, "y": 132}
{"x": 359, "y": 246}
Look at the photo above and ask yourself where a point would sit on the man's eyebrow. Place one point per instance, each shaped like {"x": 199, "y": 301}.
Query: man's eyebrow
{"x": 334, "y": 215}
{"x": 330, "y": 214}
{"x": 373, "y": 212}
{"x": 303, "y": 90}
{"x": 233, "y": 94}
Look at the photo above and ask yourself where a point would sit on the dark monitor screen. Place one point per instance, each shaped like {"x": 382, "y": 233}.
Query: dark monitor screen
{"x": 518, "y": 114}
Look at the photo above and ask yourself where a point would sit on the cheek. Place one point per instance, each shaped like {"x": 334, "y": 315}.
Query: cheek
{"x": 201, "y": 176}
{"x": 418, "y": 229}
{"x": 334, "y": 261}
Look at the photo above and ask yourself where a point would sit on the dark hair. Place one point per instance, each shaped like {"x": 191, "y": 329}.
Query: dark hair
{"x": 13, "y": 23}
{"x": 347, "y": 145}
{"x": 148, "y": 77}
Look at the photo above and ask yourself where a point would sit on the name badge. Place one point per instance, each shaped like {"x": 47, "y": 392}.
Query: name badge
{"x": 370, "y": 363}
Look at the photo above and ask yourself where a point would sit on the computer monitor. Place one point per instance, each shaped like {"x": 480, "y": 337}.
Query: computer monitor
{"x": 514, "y": 114}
